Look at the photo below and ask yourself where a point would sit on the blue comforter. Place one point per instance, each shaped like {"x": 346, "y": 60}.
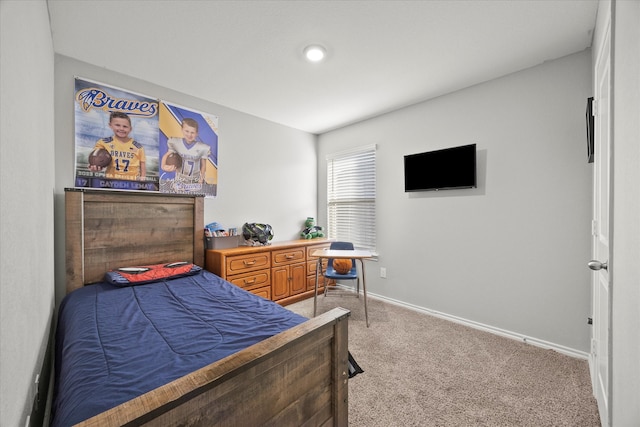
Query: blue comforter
{"x": 116, "y": 343}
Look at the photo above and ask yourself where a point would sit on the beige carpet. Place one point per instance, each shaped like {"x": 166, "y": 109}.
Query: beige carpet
{"x": 424, "y": 371}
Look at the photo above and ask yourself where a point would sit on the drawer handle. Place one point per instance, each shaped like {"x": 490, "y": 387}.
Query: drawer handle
{"x": 253, "y": 262}
{"x": 249, "y": 282}
{"x": 289, "y": 256}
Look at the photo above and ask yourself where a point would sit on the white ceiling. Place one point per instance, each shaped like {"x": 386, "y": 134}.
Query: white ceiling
{"x": 383, "y": 55}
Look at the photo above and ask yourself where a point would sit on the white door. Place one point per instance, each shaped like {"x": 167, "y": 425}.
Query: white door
{"x": 601, "y": 292}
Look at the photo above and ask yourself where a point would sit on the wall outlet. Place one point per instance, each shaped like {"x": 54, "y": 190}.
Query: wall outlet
{"x": 383, "y": 272}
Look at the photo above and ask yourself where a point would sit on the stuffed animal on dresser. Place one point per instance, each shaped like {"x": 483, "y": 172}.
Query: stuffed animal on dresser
{"x": 311, "y": 230}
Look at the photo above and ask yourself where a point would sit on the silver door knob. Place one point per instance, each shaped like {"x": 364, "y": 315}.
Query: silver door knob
{"x": 597, "y": 265}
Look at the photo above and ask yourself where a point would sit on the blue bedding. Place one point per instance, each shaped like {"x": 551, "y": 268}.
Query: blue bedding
{"x": 116, "y": 343}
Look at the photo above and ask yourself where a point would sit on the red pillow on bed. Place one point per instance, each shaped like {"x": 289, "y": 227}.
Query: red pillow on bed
{"x": 128, "y": 276}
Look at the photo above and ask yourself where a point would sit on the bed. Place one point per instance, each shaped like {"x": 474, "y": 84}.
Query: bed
{"x": 252, "y": 362}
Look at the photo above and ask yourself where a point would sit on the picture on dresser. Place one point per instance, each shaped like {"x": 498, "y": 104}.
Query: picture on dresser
{"x": 116, "y": 138}
{"x": 188, "y": 145}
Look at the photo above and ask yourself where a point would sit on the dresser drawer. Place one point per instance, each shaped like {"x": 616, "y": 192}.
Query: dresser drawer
{"x": 313, "y": 265}
{"x": 310, "y": 249}
{"x": 264, "y": 292}
{"x": 245, "y": 263}
{"x": 252, "y": 280}
{"x": 322, "y": 282}
{"x": 288, "y": 256}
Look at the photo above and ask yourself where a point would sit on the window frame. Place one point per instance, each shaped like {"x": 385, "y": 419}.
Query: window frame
{"x": 351, "y": 198}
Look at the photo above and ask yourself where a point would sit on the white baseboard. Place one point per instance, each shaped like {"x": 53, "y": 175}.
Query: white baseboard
{"x": 476, "y": 325}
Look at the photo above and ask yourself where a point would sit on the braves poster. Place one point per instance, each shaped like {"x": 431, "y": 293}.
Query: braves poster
{"x": 128, "y": 141}
{"x": 116, "y": 136}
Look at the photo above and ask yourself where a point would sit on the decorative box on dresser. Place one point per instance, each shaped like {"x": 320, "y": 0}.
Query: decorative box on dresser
{"x": 283, "y": 272}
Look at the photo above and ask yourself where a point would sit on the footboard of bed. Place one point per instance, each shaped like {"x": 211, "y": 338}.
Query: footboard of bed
{"x": 298, "y": 377}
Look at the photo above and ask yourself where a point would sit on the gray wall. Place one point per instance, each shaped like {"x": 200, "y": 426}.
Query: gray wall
{"x": 267, "y": 172}
{"x": 534, "y": 116}
{"x": 510, "y": 254}
{"x": 26, "y": 203}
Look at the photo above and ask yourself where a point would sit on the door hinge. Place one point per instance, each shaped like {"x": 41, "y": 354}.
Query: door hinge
{"x": 594, "y": 107}
{"x": 594, "y": 227}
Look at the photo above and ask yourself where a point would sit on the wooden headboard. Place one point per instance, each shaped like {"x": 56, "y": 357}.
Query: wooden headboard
{"x": 110, "y": 229}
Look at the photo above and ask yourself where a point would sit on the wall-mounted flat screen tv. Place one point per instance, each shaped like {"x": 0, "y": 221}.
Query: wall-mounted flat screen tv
{"x": 445, "y": 169}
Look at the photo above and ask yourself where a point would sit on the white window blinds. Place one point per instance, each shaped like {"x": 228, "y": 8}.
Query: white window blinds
{"x": 351, "y": 197}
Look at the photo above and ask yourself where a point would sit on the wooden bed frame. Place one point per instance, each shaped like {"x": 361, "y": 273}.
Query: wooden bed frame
{"x": 298, "y": 377}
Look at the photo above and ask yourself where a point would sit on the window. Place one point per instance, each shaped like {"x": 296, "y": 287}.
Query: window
{"x": 351, "y": 197}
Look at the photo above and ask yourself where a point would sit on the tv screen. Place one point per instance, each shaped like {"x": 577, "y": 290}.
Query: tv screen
{"x": 445, "y": 169}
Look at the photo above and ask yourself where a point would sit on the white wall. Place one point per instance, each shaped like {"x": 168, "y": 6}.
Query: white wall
{"x": 26, "y": 202}
{"x": 510, "y": 254}
{"x": 267, "y": 172}
{"x": 625, "y": 322}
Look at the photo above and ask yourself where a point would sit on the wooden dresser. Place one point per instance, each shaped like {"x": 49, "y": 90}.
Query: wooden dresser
{"x": 283, "y": 271}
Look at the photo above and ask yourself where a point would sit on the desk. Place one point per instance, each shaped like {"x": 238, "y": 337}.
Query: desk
{"x": 357, "y": 254}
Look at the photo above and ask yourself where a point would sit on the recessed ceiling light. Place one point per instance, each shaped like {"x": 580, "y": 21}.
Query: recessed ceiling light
{"x": 315, "y": 53}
